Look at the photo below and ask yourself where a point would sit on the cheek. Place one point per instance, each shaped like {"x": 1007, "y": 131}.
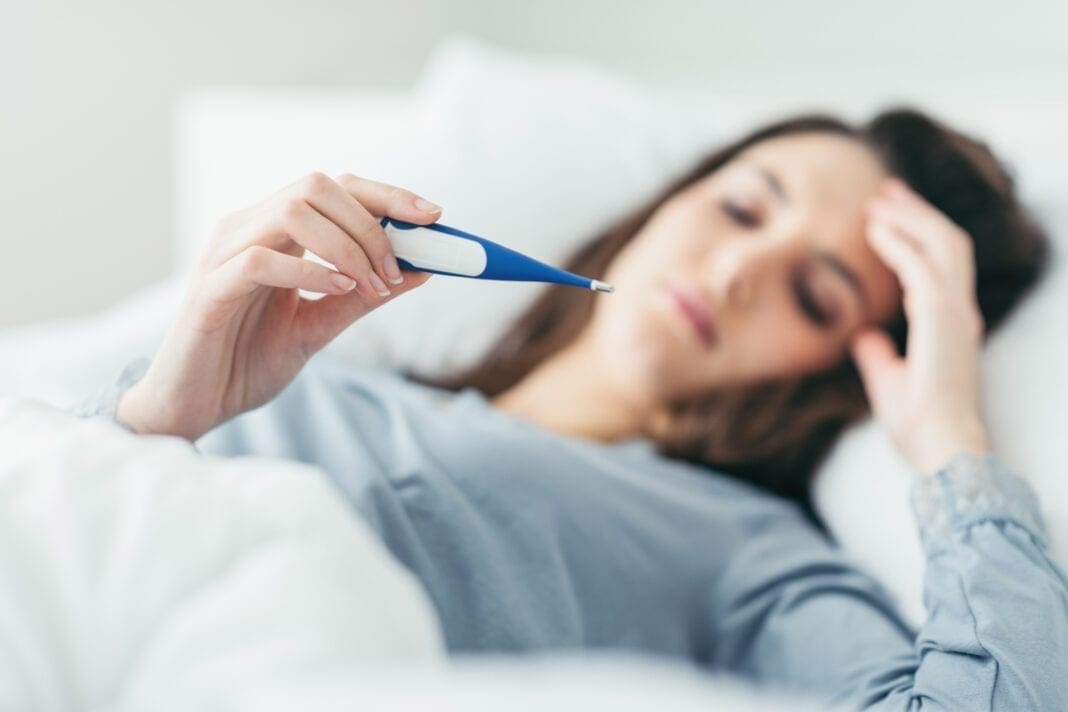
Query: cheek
{"x": 663, "y": 246}
{"x": 777, "y": 346}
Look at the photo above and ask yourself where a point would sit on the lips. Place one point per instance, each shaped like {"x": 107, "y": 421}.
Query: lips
{"x": 697, "y": 312}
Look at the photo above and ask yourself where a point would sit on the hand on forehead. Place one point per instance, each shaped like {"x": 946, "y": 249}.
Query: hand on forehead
{"x": 819, "y": 186}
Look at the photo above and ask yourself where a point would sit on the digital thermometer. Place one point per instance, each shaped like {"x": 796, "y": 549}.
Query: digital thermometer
{"x": 445, "y": 250}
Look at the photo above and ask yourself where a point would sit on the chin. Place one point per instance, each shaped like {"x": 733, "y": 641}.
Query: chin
{"x": 650, "y": 350}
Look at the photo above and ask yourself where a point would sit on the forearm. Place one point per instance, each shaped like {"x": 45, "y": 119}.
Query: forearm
{"x": 794, "y": 611}
{"x": 996, "y": 636}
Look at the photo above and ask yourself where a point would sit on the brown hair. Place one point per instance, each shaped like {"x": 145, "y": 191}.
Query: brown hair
{"x": 776, "y": 434}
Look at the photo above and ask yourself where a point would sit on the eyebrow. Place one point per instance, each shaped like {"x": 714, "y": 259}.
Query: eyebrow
{"x": 774, "y": 183}
{"x": 849, "y": 275}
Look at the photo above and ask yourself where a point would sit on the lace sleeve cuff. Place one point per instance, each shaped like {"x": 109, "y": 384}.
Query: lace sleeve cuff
{"x": 105, "y": 401}
{"x": 970, "y": 489}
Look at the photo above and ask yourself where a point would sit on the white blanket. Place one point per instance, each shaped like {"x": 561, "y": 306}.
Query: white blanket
{"x": 137, "y": 574}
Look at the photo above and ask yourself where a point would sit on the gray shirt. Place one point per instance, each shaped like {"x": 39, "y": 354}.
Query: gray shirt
{"x": 528, "y": 540}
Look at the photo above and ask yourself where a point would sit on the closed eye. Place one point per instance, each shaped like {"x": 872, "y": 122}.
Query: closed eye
{"x": 812, "y": 308}
{"x": 820, "y": 315}
{"x": 745, "y": 218}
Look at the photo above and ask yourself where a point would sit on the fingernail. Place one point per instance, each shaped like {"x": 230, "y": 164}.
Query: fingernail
{"x": 342, "y": 282}
{"x": 379, "y": 285}
{"x": 392, "y": 269}
{"x": 426, "y": 206}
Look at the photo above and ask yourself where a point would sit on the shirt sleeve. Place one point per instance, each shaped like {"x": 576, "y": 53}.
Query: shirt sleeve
{"x": 104, "y": 402}
{"x": 792, "y": 611}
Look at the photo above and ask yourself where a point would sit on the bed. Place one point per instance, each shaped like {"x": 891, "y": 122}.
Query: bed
{"x": 137, "y": 575}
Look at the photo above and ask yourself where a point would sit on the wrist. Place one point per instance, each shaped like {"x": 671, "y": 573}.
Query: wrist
{"x": 129, "y": 411}
{"x": 943, "y": 440}
{"x": 142, "y": 414}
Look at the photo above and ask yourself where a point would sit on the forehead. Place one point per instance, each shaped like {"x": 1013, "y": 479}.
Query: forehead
{"x": 828, "y": 174}
{"x": 827, "y": 180}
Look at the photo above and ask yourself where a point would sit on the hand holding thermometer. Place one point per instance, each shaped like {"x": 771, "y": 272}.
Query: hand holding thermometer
{"x": 445, "y": 250}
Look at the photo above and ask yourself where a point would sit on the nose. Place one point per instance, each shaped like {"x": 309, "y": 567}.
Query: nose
{"x": 735, "y": 271}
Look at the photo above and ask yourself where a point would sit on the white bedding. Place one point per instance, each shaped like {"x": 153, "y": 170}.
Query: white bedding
{"x": 136, "y": 574}
{"x": 486, "y": 132}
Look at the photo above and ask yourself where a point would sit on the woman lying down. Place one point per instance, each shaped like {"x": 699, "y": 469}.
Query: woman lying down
{"x": 633, "y": 470}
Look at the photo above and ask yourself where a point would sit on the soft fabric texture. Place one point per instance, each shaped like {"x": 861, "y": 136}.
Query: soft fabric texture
{"x": 136, "y": 574}
{"x": 527, "y": 540}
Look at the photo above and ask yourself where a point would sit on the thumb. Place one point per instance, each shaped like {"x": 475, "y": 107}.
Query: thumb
{"x": 876, "y": 356}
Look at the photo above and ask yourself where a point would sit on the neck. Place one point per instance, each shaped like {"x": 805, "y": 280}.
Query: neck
{"x": 573, "y": 393}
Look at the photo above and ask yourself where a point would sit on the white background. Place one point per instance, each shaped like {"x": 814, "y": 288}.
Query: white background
{"x": 88, "y": 89}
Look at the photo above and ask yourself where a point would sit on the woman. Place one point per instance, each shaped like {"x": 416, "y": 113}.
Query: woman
{"x": 631, "y": 470}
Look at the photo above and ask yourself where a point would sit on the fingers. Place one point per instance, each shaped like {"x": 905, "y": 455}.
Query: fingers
{"x": 348, "y": 203}
{"x": 874, "y": 351}
{"x": 876, "y": 357}
{"x": 336, "y": 222}
{"x": 901, "y": 254}
{"x": 382, "y": 199}
{"x": 313, "y": 231}
{"x": 323, "y": 319}
{"x": 261, "y": 266}
{"x": 335, "y": 203}
{"x": 949, "y": 248}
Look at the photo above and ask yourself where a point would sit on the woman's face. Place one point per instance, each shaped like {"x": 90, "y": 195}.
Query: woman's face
{"x": 771, "y": 249}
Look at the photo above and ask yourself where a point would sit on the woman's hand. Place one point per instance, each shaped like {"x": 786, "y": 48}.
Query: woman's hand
{"x": 929, "y": 399}
{"x": 243, "y": 331}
